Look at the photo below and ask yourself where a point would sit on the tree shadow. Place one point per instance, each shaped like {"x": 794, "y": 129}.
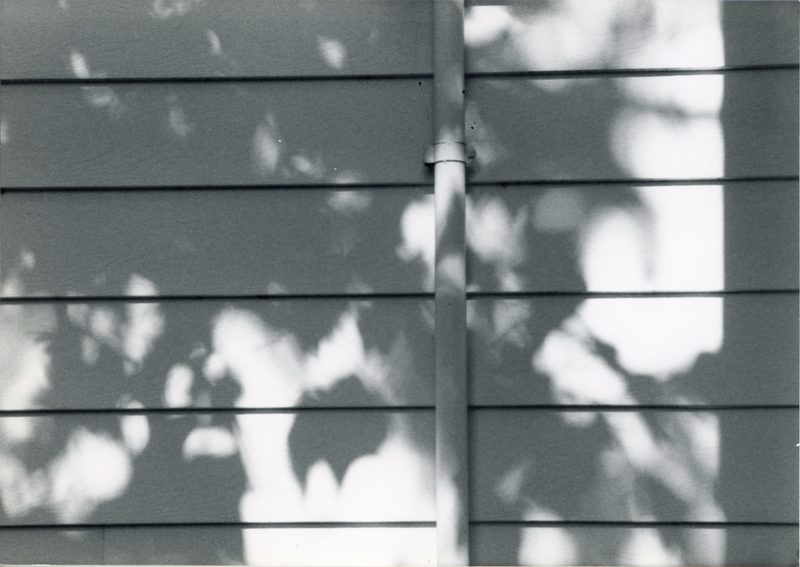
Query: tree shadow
{"x": 193, "y": 375}
{"x": 541, "y": 470}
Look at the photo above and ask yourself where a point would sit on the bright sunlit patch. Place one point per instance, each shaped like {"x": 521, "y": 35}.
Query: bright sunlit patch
{"x": 653, "y": 145}
{"x": 362, "y": 547}
{"x": 20, "y": 490}
{"x": 24, "y": 365}
{"x": 485, "y": 24}
{"x": 209, "y": 441}
{"x": 332, "y": 51}
{"x": 574, "y": 34}
{"x": 398, "y": 464}
{"x": 266, "y": 151}
{"x": 277, "y": 495}
{"x": 692, "y": 95}
{"x": 214, "y": 43}
{"x": 494, "y": 234}
{"x": 322, "y": 491}
{"x": 704, "y": 443}
{"x": 680, "y": 35}
{"x": 102, "y": 323}
{"x": 310, "y": 166}
{"x": 93, "y": 468}
{"x": 560, "y": 35}
{"x": 145, "y": 322}
{"x": 90, "y": 350}
{"x": 418, "y": 230}
{"x": 645, "y": 547}
{"x": 17, "y": 431}
{"x": 104, "y": 97}
{"x": 339, "y": 354}
{"x": 135, "y": 429}
{"x": 266, "y": 363}
{"x": 264, "y": 446}
{"x": 687, "y": 252}
{"x": 568, "y": 35}
{"x": 614, "y": 251}
{"x": 178, "y": 385}
{"x": 546, "y": 546}
{"x": 578, "y": 376}
{"x": 349, "y": 202}
{"x": 656, "y": 336}
{"x": 497, "y": 238}
{"x": 97, "y": 96}
{"x": 79, "y": 65}
{"x": 176, "y": 118}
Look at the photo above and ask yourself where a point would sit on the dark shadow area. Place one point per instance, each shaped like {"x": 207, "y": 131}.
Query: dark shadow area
{"x": 212, "y": 242}
{"x": 747, "y": 237}
{"x": 341, "y": 442}
{"x": 278, "y": 132}
{"x": 178, "y": 38}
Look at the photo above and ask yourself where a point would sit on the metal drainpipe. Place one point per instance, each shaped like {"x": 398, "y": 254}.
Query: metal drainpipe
{"x": 448, "y": 156}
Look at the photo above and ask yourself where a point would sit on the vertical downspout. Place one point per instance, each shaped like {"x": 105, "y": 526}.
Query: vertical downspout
{"x": 448, "y": 156}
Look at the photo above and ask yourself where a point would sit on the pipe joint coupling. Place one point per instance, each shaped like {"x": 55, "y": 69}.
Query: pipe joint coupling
{"x": 449, "y": 151}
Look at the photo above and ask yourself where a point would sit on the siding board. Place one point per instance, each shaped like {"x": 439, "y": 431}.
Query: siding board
{"x": 53, "y": 546}
{"x": 220, "y": 545}
{"x": 214, "y": 243}
{"x": 531, "y": 36}
{"x": 222, "y": 134}
{"x": 662, "y": 351}
{"x": 219, "y": 468}
{"x": 350, "y": 37}
{"x": 241, "y": 38}
{"x": 554, "y": 238}
{"x": 661, "y": 465}
{"x": 491, "y": 545}
{"x": 289, "y": 133}
{"x": 603, "y": 545}
{"x": 255, "y": 354}
{"x": 279, "y": 546}
{"x": 654, "y": 127}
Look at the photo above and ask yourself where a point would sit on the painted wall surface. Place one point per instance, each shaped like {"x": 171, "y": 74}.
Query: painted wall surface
{"x": 217, "y": 243}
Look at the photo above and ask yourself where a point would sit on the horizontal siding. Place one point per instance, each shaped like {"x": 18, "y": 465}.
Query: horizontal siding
{"x": 215, "y": 242}
{"x": 513, "y": 36}
{"x": 309, "y": 466}
{"x": 290, "y": 133}
{"x": 490, "y": 545}
{"x": 57, "y": 547}
{"x": 208, "y": 39}
{"x": 681, "y": 231}
{"x": 282, "y": 546}
{"x": 220, "y": 545}
{"x": 609, "y": 545}
{"x": 299, "y": 133}
{"x": 653, "y": 127}
{"x": 673, "y": 338}
{"x": 256, "y": 354}
{"x": 350, "y": 37}
{"x": 570, "y": 466}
